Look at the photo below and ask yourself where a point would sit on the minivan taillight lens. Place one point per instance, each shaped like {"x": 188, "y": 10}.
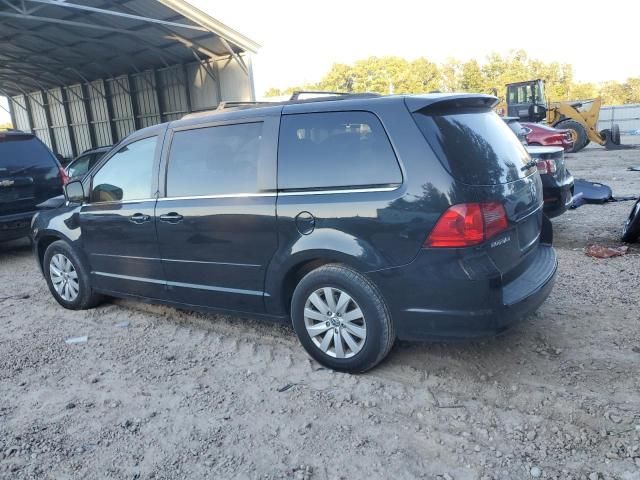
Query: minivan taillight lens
{"x": 63, "y": 176}
{"x": 468, "y": 224}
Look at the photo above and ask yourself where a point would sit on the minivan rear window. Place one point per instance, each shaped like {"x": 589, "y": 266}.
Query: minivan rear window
{"x": 19, "y": 153}
{"x": 474, "y": 145}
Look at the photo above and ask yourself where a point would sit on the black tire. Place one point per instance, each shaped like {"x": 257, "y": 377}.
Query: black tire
{"x": 380, "y": 332}
{"x": 631, "y": 227}
{"x": 615, "y": 134}
{"x": 579, "y": 134}
{"x": 85, "y": 297}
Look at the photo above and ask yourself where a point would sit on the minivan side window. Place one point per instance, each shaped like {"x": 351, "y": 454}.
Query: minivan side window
{"x": 127, "y": 175}
{"x": 217, "y": 160}
{"x": 334, "y": 150}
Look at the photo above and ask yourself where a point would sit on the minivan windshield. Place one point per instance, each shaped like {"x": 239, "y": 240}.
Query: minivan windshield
{"x": 23, "y": 152}
{"x": 475, "y": 145}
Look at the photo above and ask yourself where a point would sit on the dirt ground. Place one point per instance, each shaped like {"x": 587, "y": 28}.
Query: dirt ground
{"x": 160, "y": 393}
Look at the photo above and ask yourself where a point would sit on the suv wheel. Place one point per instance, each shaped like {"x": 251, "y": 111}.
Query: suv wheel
{"x": 341, "y": 319}
{"x": 67, "y": 277}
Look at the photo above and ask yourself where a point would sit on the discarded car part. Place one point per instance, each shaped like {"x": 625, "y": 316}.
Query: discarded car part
{"x": 591, "y": 192}
{"x": 631, "y": 227}
{"x": 74, "y": 340}
{"x": 601, "y": 251}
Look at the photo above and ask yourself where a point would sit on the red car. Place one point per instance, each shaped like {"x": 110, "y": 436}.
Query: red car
{"x": 539, "y": 134}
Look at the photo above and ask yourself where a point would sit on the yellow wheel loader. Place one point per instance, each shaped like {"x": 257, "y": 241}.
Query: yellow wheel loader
{"x": 526, "y": 100}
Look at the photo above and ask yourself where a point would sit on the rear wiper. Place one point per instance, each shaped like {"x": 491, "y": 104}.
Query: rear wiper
{"x": 528, "y": 165}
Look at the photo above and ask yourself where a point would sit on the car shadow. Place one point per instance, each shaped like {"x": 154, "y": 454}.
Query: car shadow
{"x": 13, "y": 247}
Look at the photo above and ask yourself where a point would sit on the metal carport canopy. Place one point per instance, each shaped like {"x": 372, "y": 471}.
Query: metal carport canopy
{"x": 49, "y": 43}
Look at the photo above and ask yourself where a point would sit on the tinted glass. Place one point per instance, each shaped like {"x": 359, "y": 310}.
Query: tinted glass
{"x": 335, "y": 149}
{"x": 83, "y": 164}
{"x": 24, "y": 153}
{"x": 127, "y": 175}
{"x": 218, "y": 160}
{"x": 79, "y": 166}
{"x": 476, "y": 147}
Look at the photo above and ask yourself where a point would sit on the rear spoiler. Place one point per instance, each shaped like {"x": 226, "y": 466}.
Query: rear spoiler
{"x": 450, "y": 101}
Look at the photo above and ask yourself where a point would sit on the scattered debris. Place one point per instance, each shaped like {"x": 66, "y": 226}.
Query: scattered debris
{"x": 594, "y": 193}
{"x": 600, "y": 251}
{"x": 286, "y": 387}
{"x": 634, "y": 169}
{"x": 73, "y": 340}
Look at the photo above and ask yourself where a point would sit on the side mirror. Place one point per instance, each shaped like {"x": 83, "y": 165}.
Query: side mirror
{"x": 74, "y": 192}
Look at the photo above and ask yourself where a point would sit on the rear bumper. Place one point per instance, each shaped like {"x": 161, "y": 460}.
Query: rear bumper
{"x": 476, "y": 303}
{"x": 557, "y": 195}
{"x": 15, "y": 226}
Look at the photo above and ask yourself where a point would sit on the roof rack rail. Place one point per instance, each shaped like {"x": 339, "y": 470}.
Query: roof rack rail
{"x": 295, "y": 96}
{"x": 240, "y": 104}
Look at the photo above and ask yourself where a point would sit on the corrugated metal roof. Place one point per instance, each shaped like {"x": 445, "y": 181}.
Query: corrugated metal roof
{"x": 49, "y": 43}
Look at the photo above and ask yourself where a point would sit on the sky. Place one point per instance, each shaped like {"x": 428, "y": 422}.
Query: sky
{"x": 301, "y": 40}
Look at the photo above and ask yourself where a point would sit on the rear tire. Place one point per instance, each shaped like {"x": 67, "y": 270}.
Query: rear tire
{"x": 578, "y": 132}
{"x": 68, "y": 278}
{"x": 355, "y": 333}
{"x": 615, "y": 134}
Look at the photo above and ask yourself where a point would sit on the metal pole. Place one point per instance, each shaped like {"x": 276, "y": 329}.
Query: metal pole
{"x": 109, "y": 101}
{"x": 67, "y": 121}
{"x": 187, "y": 90}
{"x": 134, "y": 103}
{"x": 47, "y": 118}
{"x": 89, "y": 115}
{"x": 157, "y": 92}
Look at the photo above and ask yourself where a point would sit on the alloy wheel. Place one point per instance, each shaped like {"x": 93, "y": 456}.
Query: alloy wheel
{"x": 64, "y": 277}
{"x": 335, "y": 322}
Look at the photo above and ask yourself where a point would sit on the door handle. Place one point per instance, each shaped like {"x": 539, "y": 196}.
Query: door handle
{"x": 139, "y": 218}
{"x": 172, "y": 217}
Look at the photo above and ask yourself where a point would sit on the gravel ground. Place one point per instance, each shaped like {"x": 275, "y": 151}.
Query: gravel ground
{"x": 161, "y": 393}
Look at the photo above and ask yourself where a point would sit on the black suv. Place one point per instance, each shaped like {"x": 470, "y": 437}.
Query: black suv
{"x": 362, "y": 219}
{"x": 29, "y": 175}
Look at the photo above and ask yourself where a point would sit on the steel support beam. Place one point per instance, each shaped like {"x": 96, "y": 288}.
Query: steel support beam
{"x": 12, "y": 113}
{"x": 159, "y": 99}
{"x": 67, "y": 121}
{"x": 71, "y": 23}
{"x": 187, "y": 90}
{"x": 134, "y": 104}
{"x": 64, "y": 4}
{"x": 89, "y": 115}
{"x": 49, "y": 121}
{"x": 235, "y": 56}
{"x": 108, "y": 98}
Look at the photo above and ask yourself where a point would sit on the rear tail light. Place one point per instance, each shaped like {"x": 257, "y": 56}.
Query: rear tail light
{"x": 63, "y": 176}
{"x": 468, "y": 224}
{"x": 546, "y": 166}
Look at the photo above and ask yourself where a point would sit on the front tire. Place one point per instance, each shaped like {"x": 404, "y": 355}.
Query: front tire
{"x": 578, "y": 133}
{"x": 341, "y": 319}
{"x": 67, "y": 277}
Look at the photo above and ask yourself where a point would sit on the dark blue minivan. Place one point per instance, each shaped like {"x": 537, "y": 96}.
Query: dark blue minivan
{"x": 360, "y": 218}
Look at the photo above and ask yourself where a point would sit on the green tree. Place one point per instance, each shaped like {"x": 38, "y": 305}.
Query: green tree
{"x": 392, "y": 74}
